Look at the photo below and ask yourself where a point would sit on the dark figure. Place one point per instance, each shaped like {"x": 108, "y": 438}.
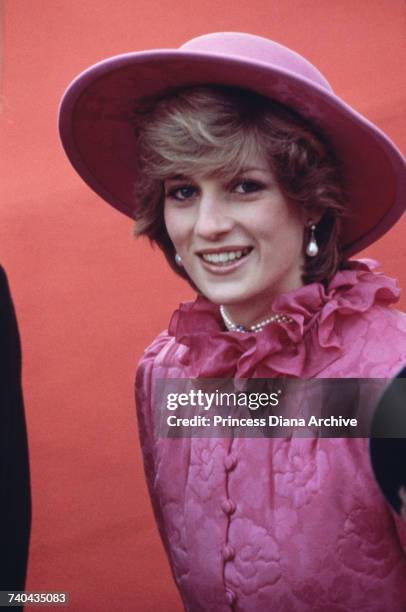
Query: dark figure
{"x": 388, "y": 443}
{"x": 15, "y": 501}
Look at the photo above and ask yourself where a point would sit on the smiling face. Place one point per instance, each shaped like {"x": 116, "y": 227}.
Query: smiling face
{"x": 243, "y": 175}
{"x": 240, "y": 240}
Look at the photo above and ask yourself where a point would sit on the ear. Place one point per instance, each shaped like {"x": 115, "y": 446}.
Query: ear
{"x": 312, "y": 216}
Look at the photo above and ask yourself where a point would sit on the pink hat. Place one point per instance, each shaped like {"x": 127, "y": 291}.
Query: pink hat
{"x": 98, "y": 135}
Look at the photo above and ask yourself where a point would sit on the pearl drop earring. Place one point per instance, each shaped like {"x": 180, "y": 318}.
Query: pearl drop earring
{"x": 178, "y": 259}
{"x": 312, "y": 248}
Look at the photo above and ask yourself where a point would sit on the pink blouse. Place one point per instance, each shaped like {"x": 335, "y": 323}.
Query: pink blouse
{"x": 298, "y": 524}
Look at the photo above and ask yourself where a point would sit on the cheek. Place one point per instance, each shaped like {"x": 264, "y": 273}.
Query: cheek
{"x": 280, "y": 227}
{"x": 282, "y": 238}
{"x": 180, "y": 232}
{"x": 277, "y": 218}
{"x": 292, "y": 230}
{"x": 173, "y": 227}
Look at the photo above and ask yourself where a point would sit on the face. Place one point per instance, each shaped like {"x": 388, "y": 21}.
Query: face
{"x": 240, "y": 240}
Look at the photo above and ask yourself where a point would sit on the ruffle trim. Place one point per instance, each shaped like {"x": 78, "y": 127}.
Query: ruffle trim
{"x": 298, "y": 349}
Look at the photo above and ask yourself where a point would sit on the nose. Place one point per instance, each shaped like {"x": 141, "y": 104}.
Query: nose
{"x": 213, "y": 218}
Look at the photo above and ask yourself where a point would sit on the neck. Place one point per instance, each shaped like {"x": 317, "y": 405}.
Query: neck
{"x": 240, "y": 316}
{"x": 275, "y": 318}
{"x": 252, "y": 311}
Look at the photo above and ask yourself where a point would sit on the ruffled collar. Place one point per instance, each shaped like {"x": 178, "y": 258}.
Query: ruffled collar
{"x": 302, "y": 348}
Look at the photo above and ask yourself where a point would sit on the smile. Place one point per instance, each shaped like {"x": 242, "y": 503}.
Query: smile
{"x": 223, "y": 258}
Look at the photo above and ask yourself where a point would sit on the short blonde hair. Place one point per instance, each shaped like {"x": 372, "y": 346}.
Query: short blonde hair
{"x": 213, "y": 130}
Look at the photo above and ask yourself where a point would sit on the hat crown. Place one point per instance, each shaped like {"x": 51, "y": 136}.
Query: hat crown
{"x": 97, "y": 129}
{"x": 257, "y": 49}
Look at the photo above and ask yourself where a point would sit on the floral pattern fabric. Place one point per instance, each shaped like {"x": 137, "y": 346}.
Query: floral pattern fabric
{"x": 279, "y": 524}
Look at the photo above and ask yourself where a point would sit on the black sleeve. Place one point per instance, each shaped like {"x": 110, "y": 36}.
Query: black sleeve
{"x": 15, "y": 501}
{"x": 388, "y": 440}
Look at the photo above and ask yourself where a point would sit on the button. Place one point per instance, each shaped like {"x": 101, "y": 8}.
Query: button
{"x": 230, "y": 462}
{"x": 228, "y": 552}
{"x": 228, "y": 506}
{"x": 230, "y": 596}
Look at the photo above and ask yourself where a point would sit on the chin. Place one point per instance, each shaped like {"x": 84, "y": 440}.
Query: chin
{"x": 220, "y": 296}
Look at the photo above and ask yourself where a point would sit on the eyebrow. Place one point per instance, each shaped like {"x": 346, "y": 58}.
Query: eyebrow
{"x": 252, "y": 168}
{"x": 177, "y": 177}
{"x": 182, "y": 177}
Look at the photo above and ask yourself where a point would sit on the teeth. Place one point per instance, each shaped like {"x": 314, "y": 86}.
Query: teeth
{"x": 225, "y": 257}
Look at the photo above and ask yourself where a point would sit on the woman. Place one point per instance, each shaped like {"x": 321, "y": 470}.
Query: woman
{"x": 258, "y": 183}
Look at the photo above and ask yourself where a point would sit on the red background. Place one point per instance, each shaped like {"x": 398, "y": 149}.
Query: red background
{"x": 89, "y": 297}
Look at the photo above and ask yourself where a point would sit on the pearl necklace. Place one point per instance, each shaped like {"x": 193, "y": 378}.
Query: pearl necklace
{"x": 231, "y": 326}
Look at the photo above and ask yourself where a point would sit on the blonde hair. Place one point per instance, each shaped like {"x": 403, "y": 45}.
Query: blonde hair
{"x": 214, "y": 130}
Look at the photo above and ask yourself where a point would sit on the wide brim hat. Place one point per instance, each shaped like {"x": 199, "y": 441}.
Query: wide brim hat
{"x": 96, "y": 121}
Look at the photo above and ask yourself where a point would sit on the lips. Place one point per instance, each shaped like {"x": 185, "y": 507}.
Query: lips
{"x": 225, "y": 258}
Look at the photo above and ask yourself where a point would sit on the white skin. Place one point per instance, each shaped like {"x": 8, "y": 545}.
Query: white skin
{"x": 206, "y": 215}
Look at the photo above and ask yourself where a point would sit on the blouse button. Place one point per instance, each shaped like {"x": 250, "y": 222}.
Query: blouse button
{"x": 228, "y": 552}
{"x": 228, "y": 506}
{"x": 230, "y": 596}
{"x": 230, "y": 462}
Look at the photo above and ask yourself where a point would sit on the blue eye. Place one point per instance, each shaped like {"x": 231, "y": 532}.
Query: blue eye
{"x": 181, "y": 193}
{"x": 248, "y": 187}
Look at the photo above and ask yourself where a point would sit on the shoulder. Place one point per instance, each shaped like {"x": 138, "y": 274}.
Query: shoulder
{"x": 380, "y": 320}
{"x": 385, "y": 340}
{"x": 162, "y": 359}
{"x": 156, "y": 347}
{"x": 373, "y": 343}
{"x": 359, "y": 319}
{"x": 151, "y": 354}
